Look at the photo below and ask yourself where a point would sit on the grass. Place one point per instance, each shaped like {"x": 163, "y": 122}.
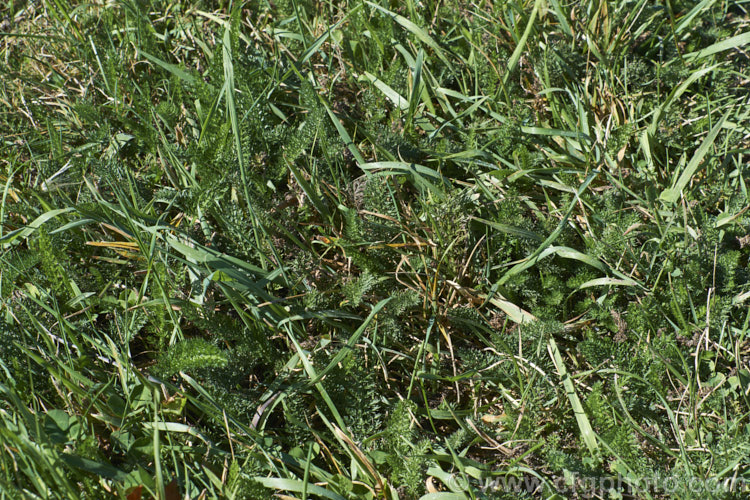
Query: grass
{"x": 345, "y": 250}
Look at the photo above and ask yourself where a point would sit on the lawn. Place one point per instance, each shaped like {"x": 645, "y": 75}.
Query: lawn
{"x": 356, "y": 249}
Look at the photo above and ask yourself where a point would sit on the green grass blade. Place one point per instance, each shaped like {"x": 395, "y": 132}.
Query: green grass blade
{"x": 414, "y": 29}
{"x": 730, "y": 43}
{"x": 674, "y": 95}
{"x": 521, "y": 45}
{"x": 672, "y": 194}
{"x": 584, "y": 425}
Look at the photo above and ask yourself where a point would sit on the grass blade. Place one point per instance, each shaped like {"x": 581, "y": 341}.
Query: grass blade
{"x": 584, "y": 425}
{"x": 672, "y": 194}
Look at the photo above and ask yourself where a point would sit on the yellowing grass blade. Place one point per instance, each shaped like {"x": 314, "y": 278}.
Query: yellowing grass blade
{"x": 127, "y": 245}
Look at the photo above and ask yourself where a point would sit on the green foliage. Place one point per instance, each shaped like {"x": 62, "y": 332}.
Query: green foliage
{"x": 355, "y": 290}
{"x": 193, "y": 237}
{"x": 355, "y": 391}
{"x": 621, "y": 439}
{"x": 407, "y": 456}
{"x": 189, "y": 355}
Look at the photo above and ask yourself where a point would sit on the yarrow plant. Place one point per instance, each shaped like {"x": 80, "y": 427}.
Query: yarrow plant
{"x": 357, "y": 249}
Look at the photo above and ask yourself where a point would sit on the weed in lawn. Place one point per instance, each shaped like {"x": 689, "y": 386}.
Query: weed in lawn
{"x": 363, "y": 250}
